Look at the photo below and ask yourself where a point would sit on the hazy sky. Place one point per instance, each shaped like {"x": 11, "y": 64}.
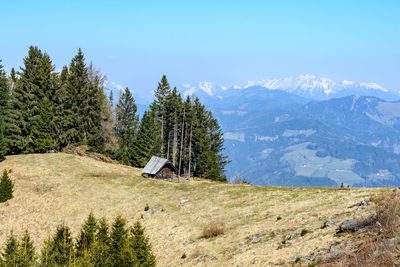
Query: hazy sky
{"x": 227, "y": 42}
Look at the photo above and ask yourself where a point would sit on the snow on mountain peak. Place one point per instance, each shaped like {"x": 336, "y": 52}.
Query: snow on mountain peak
{"x": 308, "y": 86}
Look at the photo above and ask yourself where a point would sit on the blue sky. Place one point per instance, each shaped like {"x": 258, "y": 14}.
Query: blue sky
{"x": 227, "y": 42}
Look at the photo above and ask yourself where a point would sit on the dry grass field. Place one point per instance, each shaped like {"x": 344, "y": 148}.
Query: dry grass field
{"x": 54, "y": 188}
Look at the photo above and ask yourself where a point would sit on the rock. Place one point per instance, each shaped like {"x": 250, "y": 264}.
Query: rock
{"x": 288, "y": 243}
{"x": 187, "y": 242}
{"x": 255, "y": 240}
{"x": 214, "y": 258}
{"x": 183, "y": 201}
{"x": 333, "y": 248}
{"x": 348, "y": 225}
{"x": 293, "y": 235}
{"x": 354, "y": 226}
{"x": 242, "y": 244}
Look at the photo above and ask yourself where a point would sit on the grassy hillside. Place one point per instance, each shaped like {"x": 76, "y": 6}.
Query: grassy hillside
{"x": 52, "y": 188}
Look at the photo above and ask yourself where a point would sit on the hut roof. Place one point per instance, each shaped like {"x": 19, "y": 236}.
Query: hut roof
{"x": 155, "y": 164}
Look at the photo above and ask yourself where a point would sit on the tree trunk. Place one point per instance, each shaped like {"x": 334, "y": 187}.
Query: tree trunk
{"x": 162, "y": 134}
{"x": 182, "y": 138}
{"x": 190, "y": 148}
{"x": 175, "y": 141}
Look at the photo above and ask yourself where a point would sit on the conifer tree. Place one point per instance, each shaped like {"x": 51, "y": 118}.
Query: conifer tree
{"x": 126, "y": 127}
{"x": 159, "y": 108}
{"x": 141, "y": 246}
{"x": 4, "y": 111}
{"x": 10, "y": 252}
{"x": 42, "y": 130}
{"x": 147, "y": 140}
{"x": 26, "y": 251}
{"x": 59, "y": 250}
{"x": 76, "y": 93}
{"x": 6, "y": 187}
{"x": 118, "y": 237}
{"x": 86, "y": 236}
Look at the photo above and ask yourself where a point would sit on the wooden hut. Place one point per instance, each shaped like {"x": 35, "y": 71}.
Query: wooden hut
{"x": 159, "y": 168}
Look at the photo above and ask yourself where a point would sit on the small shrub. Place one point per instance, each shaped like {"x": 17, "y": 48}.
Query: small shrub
{"x": 312, "y": 264}
{"x": 341, "y": 185}
{"x": 279, "y": 218}
{"x": 6, "y": 187}
{"x": 298, "y": 259}
{"x": 304, "y": 232}
{"x": 213, "y": 230}
{"x": 183, "y": 256}
{"x": 324, "y": 224}
{"x": 146, "y": 208}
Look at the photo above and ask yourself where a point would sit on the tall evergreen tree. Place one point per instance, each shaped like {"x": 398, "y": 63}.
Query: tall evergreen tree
{"x": 4, "y": 111}
{"x": 41, "y": 135}
{"x": 126, "y": 127}
{"x": 147, "y": 139}
{"x": 159, "y": 108}
{"x": 76, "y": 94}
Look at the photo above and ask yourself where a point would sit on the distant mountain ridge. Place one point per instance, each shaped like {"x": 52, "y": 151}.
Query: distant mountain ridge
{"x": 307, "y": 86}
{"x": 309, "y": 134}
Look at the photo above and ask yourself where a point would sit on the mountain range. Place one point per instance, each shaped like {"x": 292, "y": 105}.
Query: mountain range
{"x": 308, "y": 131}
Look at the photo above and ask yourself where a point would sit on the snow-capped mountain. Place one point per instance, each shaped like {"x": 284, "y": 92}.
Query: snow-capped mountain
{"x": 307, "y": 86}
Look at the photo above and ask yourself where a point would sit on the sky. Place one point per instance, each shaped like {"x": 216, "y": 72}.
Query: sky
{"x": 227, "y": 42}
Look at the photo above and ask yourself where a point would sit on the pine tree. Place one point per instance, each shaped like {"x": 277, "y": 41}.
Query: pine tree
{"x": 147, "y": 140}
{"x": 6, "y": 187}
{"x": 126, "y": 127}
{"x": 42, "y": 130}
{"x": 118, "y": 236}
{"x": 60, "y": 111}
{"x": 4, "y": 111}
{"x": 120, "y": 252}
{"x": 141, "y": 246}
{"x": 10, "y": 253}
{"x": 59, "y": 249}
{"x": 76, "y": 94}
{"x": 159, "y": 108}
{"x": 86, "y": 236}
{"x": 97, "y": 112}
{"x": 26, "y": 251}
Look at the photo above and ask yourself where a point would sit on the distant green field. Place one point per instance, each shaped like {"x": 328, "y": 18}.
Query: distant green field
{"x": 306, "y": 163}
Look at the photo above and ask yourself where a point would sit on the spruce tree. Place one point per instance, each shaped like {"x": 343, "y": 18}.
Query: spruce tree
{"x": 42, "y": 130}
{"x": 147, "y": 140}
{"x": 10, "y": 252}
{"x": 120, "y": 252}
{"x": 4, "y": 111}
{"x": 26, "y": 251}
{"x": 86, "y": 236}
{"x": 141, "y": 246}
{"x": 76, "y": 93}
{"x": 126, "y": 127}
{"x": 6, "y": 187}
{"x": 159, "y": 108}
{"x": 59, "y": 249}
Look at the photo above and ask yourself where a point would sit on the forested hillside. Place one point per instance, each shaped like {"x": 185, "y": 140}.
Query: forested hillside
{"x": 43, "y": 110}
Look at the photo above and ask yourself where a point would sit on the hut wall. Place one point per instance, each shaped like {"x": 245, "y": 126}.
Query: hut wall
{"x": 164, "y": 173}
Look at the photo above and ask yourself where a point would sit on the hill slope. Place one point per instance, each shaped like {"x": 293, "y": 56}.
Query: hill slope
{"x": 52, "y": 188}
